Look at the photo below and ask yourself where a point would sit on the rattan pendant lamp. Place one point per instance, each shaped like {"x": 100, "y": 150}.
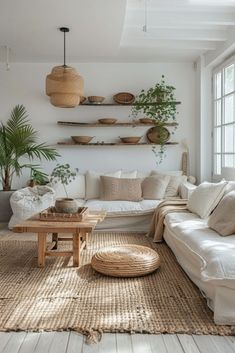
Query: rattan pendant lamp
{"x": 64, "y": 85}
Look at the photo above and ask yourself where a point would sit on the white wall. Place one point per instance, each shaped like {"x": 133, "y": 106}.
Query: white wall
{"x": 24, "y": 84}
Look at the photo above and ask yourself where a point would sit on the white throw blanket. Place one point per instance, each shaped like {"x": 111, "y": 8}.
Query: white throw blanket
{"x": 29, "y": 201}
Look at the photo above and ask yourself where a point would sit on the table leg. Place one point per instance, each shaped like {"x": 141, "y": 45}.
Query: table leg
{"x": 76, "y": 249}
{"x": 55, "y": 239}
{"x": 41, "y": 249}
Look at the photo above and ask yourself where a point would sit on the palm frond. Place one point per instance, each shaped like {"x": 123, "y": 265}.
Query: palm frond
{"x": 18, "y": 139}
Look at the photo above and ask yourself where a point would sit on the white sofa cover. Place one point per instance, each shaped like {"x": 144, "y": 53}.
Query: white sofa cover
{"x": 121, "y": 215}
{"x": 207, "y": 258}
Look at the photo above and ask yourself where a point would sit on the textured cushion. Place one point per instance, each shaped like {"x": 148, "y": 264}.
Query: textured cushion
{"x": 93, "y": 183}
{"x": 205, "y": 198}
{"x": 176, "y": 178}
{"x": 154, "y": 187}
{"x": 75, "y": 189}
{"x": 120, "y": 189}
{"x": 222, "y": 220}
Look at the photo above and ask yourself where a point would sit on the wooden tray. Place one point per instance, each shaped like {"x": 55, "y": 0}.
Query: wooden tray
{"x": 50, "y": 214}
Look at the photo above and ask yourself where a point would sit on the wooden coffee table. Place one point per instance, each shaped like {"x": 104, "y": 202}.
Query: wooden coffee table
{"x": 80, "y": 232}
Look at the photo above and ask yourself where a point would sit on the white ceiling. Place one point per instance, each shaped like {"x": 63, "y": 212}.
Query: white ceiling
{"x": 112, "y": 30}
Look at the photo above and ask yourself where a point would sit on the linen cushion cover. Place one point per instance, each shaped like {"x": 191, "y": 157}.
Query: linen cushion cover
{"x": 93, "y": 187}
{"x": 120, "y": 189}
{"x": 154, "y": 187}
{"x": 176, "y": 178}
{"x": 222, "y": 220}
{"x": 205, "y": 198}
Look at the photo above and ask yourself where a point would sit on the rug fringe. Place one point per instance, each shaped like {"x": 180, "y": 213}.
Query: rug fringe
{"x": 92, "y": 336}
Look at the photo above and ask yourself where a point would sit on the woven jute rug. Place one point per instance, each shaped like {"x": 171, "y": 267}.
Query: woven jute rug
{"x": 60, "y": 297}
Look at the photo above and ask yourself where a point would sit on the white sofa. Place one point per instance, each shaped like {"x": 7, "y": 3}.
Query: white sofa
{"x": 121, "y": 215}
{"x": 207, "y": 257}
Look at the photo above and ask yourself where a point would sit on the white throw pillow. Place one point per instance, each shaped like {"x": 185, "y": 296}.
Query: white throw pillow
{"x": 205, "y": 198}
{"x": 154, "y": 187}
{"x": 141, "y": 174}
{"x": 93, "y": 186}
{"x": 176, "y": 179}
{"x": 75, "y": 189}
{"x": 129, "y": 175}
{"x": 222, "y": 220}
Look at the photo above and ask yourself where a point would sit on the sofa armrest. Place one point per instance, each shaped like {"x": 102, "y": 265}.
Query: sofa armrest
{"x": 186, "y": 189}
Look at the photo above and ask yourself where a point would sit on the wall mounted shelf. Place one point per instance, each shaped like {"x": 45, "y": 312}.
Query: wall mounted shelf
{"x": 112, "y": 144}
{"x": 124, "y": 105}
{"x": 132, "y": 124}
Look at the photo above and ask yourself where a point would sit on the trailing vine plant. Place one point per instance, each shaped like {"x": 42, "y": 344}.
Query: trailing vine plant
{"x": 158, "y": 104}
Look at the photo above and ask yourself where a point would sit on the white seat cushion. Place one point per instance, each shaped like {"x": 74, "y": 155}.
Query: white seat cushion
{"x": 217, "y": 253}
{"x": 126, "y": 208}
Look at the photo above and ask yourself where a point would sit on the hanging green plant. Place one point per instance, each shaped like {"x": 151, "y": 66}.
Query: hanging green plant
{"x": 158, "y": 103}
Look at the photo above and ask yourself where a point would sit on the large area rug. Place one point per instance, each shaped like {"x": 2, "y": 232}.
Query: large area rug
{"x": 60, "y": 297}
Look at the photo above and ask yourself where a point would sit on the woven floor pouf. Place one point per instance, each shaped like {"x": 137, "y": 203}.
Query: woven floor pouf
{"x": 126, "y": 261}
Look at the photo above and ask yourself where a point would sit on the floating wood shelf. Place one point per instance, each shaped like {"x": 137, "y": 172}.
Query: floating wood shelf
{"x": 133, "y": 124}
{"x": 125, "y": 105}
{"x": 68, "y": 143}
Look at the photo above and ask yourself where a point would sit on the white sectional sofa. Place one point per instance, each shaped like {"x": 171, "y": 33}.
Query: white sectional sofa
{"x": 207, "y": 257}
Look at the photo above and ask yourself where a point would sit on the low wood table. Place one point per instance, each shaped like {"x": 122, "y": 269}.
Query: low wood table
{"x": 80, "y": 232}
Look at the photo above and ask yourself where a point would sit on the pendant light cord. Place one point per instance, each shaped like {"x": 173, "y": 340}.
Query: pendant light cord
{"x": 64, "y": 49}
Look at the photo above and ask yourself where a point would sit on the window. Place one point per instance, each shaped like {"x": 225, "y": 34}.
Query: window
{"x": 224, "y": 117}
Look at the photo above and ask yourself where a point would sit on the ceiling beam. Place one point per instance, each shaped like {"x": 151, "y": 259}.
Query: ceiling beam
{"x": 156, "y": 17}
{"x": 223, "y": 51}
{"x": 177, "y": 44}
{"x": 133, "y": 32}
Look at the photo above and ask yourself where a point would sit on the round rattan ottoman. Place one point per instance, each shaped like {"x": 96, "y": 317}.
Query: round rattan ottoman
{"x": 125, "y": 261}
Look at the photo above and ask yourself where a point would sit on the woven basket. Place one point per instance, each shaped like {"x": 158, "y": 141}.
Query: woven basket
{"x": 126, "y": 261}
{"x": 124, "y": 98}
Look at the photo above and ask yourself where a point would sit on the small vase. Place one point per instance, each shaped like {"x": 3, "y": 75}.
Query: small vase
{"x": 66, "y": 205}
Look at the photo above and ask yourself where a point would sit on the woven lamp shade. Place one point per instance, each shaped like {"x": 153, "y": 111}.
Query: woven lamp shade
{"x": 64, "y": 86}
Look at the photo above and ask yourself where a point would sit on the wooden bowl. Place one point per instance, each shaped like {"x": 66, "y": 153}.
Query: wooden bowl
{"x": 96, "y": 99}
{"x": 130, "y": 139}
{"x": 146, "y": 121}
{"x": 107, "y": 121}
{"x": 124, "y": 98}
{"x": 82, "y": 139}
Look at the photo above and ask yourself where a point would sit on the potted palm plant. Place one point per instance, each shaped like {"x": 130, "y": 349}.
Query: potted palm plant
{"x": 18, "y": 139}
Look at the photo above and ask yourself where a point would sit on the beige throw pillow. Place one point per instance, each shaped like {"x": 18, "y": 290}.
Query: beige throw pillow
{"x": 172, "y": 189}
{"x": 120, "y": 189}
{"x": 93, "y": 183}
{"x": 222, "y": 220}
{"x": 154, "y": 187}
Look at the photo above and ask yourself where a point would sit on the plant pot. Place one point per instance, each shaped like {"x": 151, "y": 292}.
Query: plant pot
{"x": 5, "y": 207}
{"x": 66, "y": 205}
{"x": 158, "y": 135}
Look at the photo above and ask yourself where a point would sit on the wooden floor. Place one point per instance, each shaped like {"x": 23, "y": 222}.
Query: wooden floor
{"x": 71, "y": 342}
